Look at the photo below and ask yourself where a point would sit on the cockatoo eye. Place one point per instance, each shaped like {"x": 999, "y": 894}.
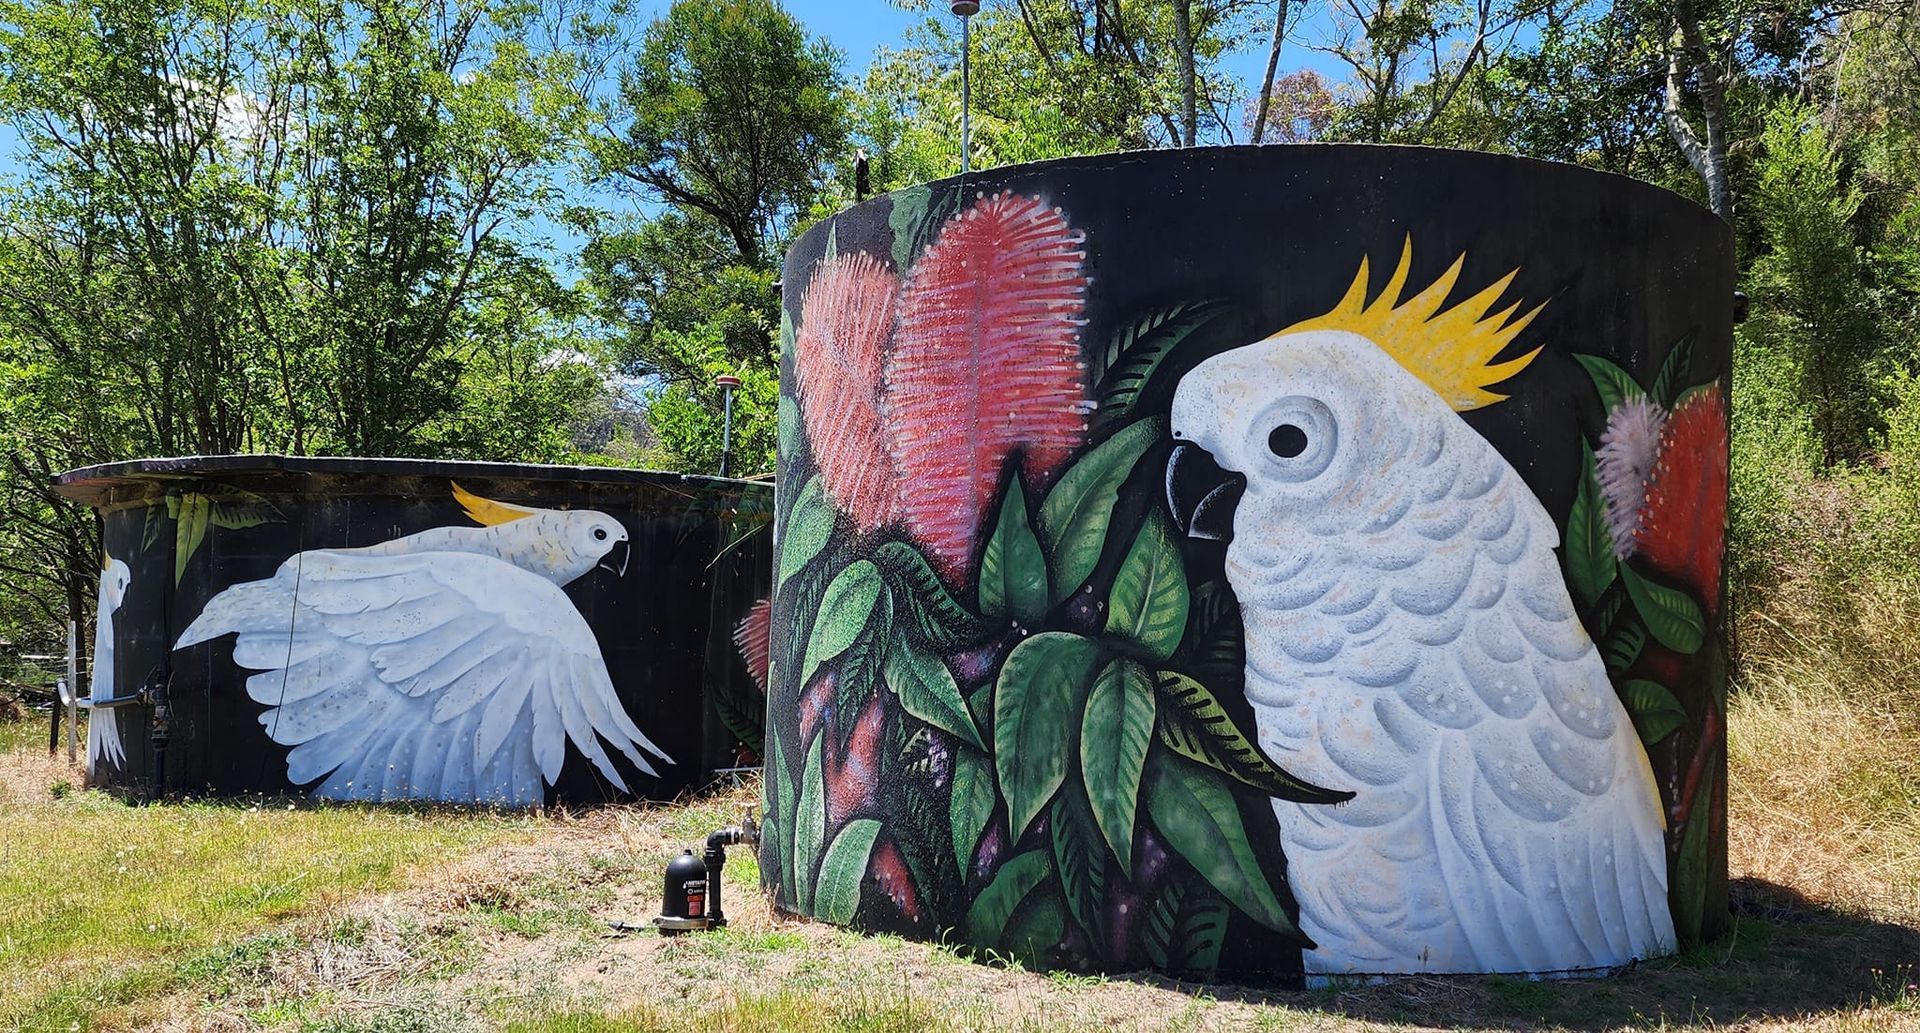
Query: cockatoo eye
{"x": 1287, "y": 441}
{"x": 1298, "y": 435}
{"x": 599, "y": 534}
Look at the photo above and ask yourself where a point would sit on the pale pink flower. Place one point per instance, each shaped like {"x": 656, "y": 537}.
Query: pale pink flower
{"x": 1624, "y": 463}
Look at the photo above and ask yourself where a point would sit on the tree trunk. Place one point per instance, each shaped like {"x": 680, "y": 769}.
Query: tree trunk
{"x": 1183, "y": 42}
{"x": 1273, "y": 64}
{"x": 1709, "y": 157}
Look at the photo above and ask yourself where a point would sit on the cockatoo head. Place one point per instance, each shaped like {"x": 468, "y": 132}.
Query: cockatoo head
{"x": 1320, "y": 420}
{"x": 1291, "y": 421}
{"x": 557, "y": 544}
{"x": 115, "y": 576}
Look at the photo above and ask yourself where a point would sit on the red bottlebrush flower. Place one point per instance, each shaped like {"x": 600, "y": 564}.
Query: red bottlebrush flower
{"x": 889, "y": 869}
{"x": 1683, "y": 527}
{"x": 986, "y": 360}
{"x": 852, "y": 777}
{"x": 839, "y": 353}
{"x": 753, "y": 637}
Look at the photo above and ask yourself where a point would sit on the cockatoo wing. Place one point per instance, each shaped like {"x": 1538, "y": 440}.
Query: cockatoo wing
{"x": 103, "y": 726}
{"x": 437, "y": 675}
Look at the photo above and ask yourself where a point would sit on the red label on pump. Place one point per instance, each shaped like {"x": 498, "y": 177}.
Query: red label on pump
{"x": 696, "y": 890}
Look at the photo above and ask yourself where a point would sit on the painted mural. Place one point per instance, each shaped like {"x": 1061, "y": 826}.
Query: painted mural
{"x": 1238, "y": 631}
{"x": 104, "y": 749}
{"x": 445, "y": 665}
{"x": 372, "y": 630}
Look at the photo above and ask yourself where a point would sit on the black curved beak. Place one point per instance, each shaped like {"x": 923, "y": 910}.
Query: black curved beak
{"x": 626, "y": 553}
{"x": 1201, "y": 495}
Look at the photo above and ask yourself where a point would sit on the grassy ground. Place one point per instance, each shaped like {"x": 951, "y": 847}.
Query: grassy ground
{"x": 257, "y": 915}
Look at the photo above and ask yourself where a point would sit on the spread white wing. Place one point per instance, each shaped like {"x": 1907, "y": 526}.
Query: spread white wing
{"x": 438, "y": 675}
{"x": 104, "y": 747}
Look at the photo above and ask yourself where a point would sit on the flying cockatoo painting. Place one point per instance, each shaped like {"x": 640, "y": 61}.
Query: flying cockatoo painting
{"x": 1410, "y": 638}
{"x": 104, "y": 747}
{"x": 446, "y": 665}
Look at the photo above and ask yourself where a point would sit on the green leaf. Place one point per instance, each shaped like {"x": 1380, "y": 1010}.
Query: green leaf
{"x": 845, "y": 609}
{"x": 833, "y": 244}
{"x": 1037, "y": 708}
{"x": 987, "y": 918}
{"x": 787, "y": 429}
{"x": 1624, "y": 643}
{"x": 1691, "y": 869}
{"x": 926, "y": 690}
{"x": 970, "y": 806}
{"x": 1080, "y": 860}
{"x": 810, "y": 824}
{"x": 861, "y": 667}
{"x": 1215, "y": 638}
{"x": 809, "y": 524}
{"x": 1674, "y": 369}
{"x": 918, "y": 593}
{"x": 1590, "y": 561}
{"x": 1195, "y": 725}
{"x": 1198, "y": 817}
{"x": 1134, "y": 353}
{"x": 1197, "y": 937}
{"x": 1671, "y": 615}
{"x": 780, "y": 783}
{"x": 1148, "y": 606}
{"x": 837, "y": 894}
{"x": 1013, "y": 571}
{"x": 1037, "y": 927}
{"x": 189, "y": 530}
{"x": 235, "y": 509}
{"x": 1074, "y": 518}
{"x": 1157, "y": 933}
{"x": 1114, "y": 738}
{"x": 1614, "y": 384}
{"x": 904, "y": 218}
{"x": 1656, "y": 712}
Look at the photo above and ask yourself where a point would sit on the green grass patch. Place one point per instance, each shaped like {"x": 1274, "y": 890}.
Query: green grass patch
{"x": 102, "y": 903}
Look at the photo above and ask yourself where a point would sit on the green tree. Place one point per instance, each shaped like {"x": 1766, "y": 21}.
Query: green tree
{"x": 1813, "y": 305}
{"x": 726, "y": 124}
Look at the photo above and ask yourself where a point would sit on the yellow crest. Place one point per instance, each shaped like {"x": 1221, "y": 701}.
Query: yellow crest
{"x": 487, "y": 511}
{"x": 106, "y": 560}
{"x": 1451, "y": 350}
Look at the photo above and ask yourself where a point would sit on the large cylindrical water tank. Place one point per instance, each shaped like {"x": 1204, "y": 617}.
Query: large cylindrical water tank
{"x": 1257, "y": 562}
{"x": 402, "y": 629}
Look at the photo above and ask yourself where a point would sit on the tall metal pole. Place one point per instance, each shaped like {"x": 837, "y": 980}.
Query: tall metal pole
{"x": 727, "y": 384}
{"x": 966, "y": 9}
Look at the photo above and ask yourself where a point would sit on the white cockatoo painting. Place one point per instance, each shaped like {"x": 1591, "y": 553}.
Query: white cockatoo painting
{"x": 104, "y": 747}
{"x": 446, "y": 665}
{"x": 1410, "y": 638}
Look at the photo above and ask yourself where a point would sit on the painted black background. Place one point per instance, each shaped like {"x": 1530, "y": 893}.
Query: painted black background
{"x": 664, "y": 628}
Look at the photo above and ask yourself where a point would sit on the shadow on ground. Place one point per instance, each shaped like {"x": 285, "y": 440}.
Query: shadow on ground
{"x": 1788, "y": 958}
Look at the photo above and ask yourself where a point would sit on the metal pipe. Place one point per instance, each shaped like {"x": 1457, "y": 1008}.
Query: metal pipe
{"x": 966, "y": 86}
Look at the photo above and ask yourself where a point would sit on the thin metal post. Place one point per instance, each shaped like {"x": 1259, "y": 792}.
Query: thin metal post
{"x": 73, "y": 691}
{"x": 727, "y": 384}
{"x": 966, "y": 94}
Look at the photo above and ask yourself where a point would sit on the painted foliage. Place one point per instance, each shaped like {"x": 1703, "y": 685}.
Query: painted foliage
{"x": 372, "y": 630}
{"x": 1149, "y": 635}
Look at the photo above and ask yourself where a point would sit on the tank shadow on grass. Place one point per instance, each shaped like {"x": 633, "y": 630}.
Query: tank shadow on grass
{"x": 1787, "y": 958}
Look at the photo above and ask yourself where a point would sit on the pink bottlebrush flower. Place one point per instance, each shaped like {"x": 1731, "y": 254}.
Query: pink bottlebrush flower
{"x": 986, "y": 360}
{"x": 1683, "y": 527}
{"x": 753, "y": 637}
{"x": 1628, "y": 449}
{"x": 839, "y": 354}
